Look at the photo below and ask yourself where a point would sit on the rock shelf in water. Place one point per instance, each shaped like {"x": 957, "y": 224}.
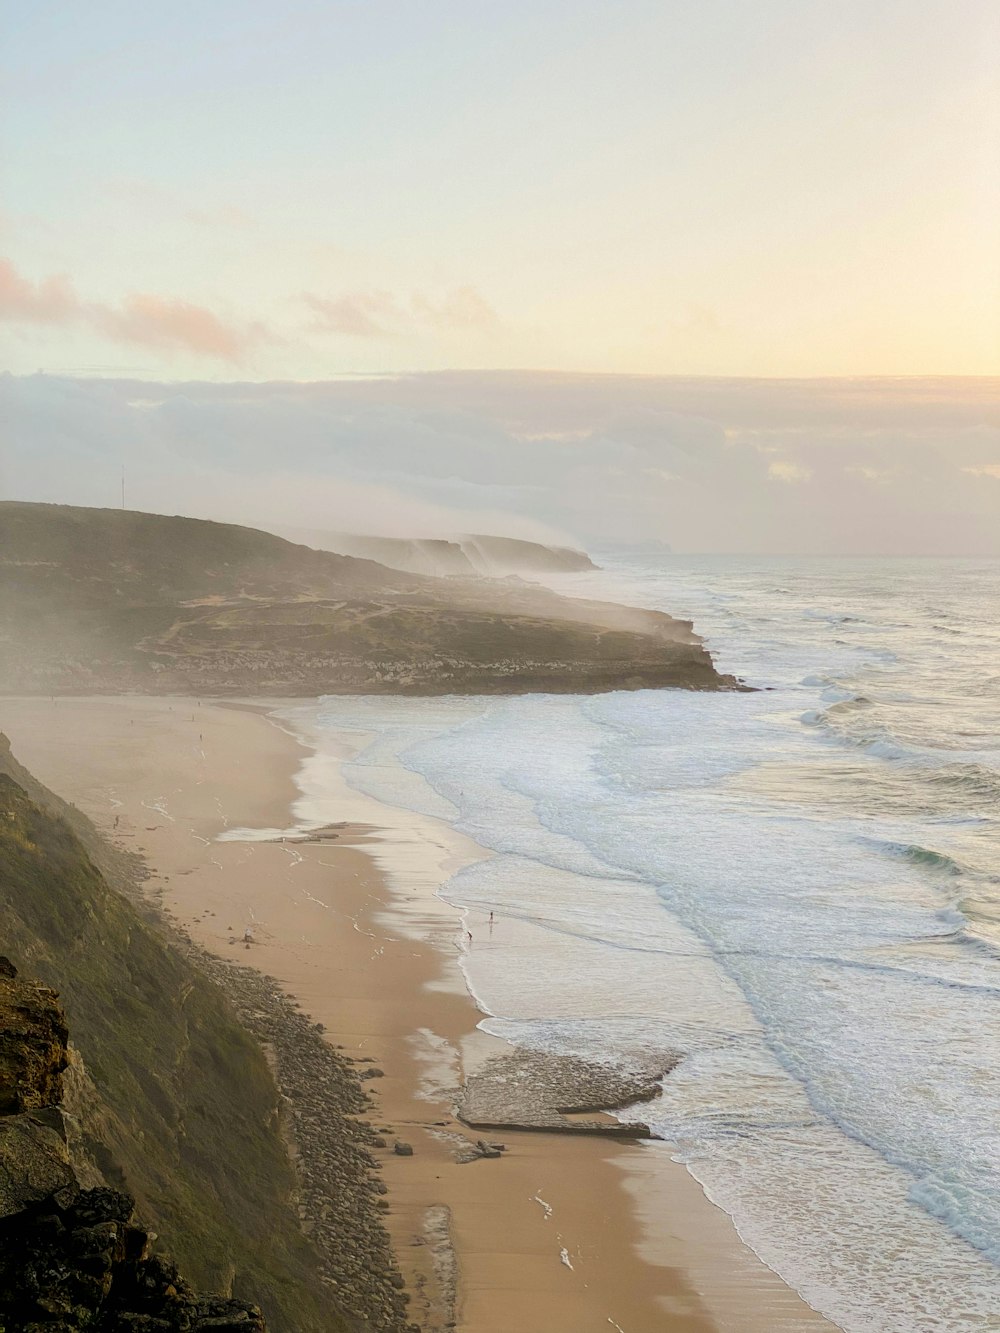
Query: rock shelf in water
{"x": 535, "y": 1091}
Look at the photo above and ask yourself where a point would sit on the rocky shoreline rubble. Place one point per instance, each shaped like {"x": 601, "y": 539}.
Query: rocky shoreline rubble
{"x": 325, "y": 1103}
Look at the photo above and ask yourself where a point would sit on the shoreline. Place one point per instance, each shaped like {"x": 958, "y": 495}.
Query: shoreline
{"x": 572, "y": 1232}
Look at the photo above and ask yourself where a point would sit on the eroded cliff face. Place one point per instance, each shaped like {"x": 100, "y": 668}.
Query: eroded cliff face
{"x": 33, "y": 1044}
{"x": 73, "y": 1257}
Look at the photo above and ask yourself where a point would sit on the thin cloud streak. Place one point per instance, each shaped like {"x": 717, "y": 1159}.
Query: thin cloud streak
{"x": 155, "y": 321}
{"x": 380, "y": 314}
{"x": 142, "y": 319}
{"x": 50, "y": 301}
{"x": 355, "y": 314}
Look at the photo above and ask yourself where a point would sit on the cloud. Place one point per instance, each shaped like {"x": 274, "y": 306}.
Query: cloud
{"x": 380, "y": 314}
{"x": 355, "y": 314}
{"x": 50, "y": 301}
{"x": 155, "y": 321}
{"x": 880, "y": 475}
{"x": 141, "y": 319}
{"x": 461, "y": 308}
{"x": 782, "y": 470}
{"x": 778, "y": 466}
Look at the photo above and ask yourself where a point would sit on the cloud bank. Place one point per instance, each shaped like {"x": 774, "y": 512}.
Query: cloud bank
{"x": 828, "y": 466}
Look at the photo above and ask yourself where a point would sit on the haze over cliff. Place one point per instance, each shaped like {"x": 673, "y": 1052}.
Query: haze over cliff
{"x": 468, "y": 556}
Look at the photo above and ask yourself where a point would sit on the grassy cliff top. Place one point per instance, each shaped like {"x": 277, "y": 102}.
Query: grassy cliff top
{"x": 97, "y": 555}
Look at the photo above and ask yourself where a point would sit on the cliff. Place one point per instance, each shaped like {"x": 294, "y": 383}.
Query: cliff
{"x": 168, "y": 1098}
{"x": 511, "y": 555}
{"x": 475, "y": 554}
{"x": 105, "y": 601}
{"x": 73, "y": 1257}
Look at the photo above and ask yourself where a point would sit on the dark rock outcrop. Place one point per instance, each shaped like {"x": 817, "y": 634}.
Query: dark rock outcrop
{"x": 33, "y": 1040}
{"x": 74, "y": 1258}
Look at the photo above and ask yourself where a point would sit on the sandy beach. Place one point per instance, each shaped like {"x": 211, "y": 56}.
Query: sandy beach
{"x": 566, "y": 1234}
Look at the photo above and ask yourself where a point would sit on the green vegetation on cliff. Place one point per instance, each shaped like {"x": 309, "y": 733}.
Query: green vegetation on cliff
{"x": 187, "y": 1116}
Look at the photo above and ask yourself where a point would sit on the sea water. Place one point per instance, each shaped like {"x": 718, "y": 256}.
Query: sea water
{"x": 796, "y": 889}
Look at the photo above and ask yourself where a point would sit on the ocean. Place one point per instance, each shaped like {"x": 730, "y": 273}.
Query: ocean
{"x": 797, "y": 890}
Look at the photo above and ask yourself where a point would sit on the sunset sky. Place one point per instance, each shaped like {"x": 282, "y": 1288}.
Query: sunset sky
{"x": 299, "y": 191}
{"x": 725, "y": 274}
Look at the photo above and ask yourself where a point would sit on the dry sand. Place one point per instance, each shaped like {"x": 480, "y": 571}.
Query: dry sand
{"x": 562, "y": 1234}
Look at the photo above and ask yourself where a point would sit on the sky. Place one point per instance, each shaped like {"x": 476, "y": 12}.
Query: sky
{"x": 248, "y": 189}
{"x": 723, "y": 274}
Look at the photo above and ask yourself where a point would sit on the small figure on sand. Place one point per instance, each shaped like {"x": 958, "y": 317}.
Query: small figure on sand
{"x": 469, "y": 933}
{"x": 248, "y": 937}
{"x": 117, "y": 817}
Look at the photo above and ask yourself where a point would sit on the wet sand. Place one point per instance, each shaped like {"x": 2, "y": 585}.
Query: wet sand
{"x": 562, "y": 1234}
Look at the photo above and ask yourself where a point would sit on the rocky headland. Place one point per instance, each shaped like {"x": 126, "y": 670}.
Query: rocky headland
{"x": 108, "y": 601}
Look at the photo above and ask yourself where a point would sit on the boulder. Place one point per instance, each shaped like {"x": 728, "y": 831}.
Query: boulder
{"x": 34, "y": 1162}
